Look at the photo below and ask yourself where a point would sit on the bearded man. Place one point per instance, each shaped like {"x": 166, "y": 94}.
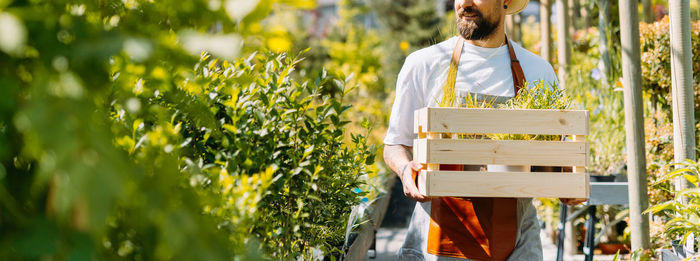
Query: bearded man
{"x": 481, "y": 62}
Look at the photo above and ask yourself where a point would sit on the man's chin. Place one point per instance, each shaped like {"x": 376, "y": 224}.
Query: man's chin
{"x": 466, "y": 29}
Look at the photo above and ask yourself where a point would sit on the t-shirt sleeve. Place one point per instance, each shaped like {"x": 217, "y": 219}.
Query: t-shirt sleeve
{"x": 549, "y": 77}
{"x": 537, "y": 69}
{"x": 400, "y": 130}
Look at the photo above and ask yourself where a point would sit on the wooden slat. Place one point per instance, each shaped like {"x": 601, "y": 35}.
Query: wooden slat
{"x": 421, "y": 183}
{"x": 506, "y": 121}
{"x": 504, "y": 184}
{"x": 420, "y": 116}
{"x": 433, "y": 136}
{"x": 581, "y": 168}
{"x": 505, "y": 152}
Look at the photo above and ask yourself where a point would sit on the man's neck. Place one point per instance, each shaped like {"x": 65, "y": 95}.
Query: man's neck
{"x": 495, "y": 40}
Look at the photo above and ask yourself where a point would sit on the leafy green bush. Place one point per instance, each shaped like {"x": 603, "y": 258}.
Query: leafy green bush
{"x": 352, "y": 52}
{"x": 408, "y": 25}
{"x": 269, "y": 123}
{"x": 65, "y": 188}
{"x": 118, "y": 143}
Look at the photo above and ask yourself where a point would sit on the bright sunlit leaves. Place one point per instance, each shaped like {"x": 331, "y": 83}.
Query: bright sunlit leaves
{"x": 238, "y": 9}
{"x": 13, "y": 34}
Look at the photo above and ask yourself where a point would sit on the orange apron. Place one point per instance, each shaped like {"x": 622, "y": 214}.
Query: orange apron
{"x": 474, "y": 228}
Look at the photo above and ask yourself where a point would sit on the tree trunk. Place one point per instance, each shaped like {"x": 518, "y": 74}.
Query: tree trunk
{"x": 682, "y": 85}
{"x": 563, "y": 51}
{"x": 648, "y": 12}
{"x": 510, "y": 25}
{"x": 513, "y": 28}
{"x": 573, "y": 16}
{"x": 634, "y": 124}
{"x": 517, "y": 28}
{"x": 586, "y": 13}
{"x": 546, "y": 30}
{"x": 603, "y": 22}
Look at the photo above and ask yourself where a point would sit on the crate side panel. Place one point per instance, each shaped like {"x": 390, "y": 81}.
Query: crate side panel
{"x": 420, "y": 150}
{"x": 507, "y": 121}
{"x": 508, "y": 184}
{"x": 506, "y": 152}
{"x": 420, "y": 118}
{"x": 421, "y": 182}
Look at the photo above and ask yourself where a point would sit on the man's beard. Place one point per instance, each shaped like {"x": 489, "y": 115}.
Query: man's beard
{"x": 477, "y": 29}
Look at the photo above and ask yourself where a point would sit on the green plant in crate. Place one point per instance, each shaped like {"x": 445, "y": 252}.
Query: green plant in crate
{"x": 538, "y": 96}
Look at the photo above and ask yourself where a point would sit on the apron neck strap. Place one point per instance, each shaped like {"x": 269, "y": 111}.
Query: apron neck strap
{"x": 449, "y": 90}
{"x": 516, "y": 69}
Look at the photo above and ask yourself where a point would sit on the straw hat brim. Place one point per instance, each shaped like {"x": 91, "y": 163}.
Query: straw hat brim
{"x": 516, "y": 6}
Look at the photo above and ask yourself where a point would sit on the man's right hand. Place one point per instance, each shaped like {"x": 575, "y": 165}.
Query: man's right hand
{"x": 409, "y": 182}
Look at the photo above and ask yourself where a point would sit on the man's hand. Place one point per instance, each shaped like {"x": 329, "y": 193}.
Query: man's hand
{"x": 572, "y": 201}
{"x": 407, "y": 175}
{"x": 399, "y": 159}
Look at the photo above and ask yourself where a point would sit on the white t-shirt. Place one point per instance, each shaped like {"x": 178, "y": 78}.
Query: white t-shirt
{"x": 484, "y": 71}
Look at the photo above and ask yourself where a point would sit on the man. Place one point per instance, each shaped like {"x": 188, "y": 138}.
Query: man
{"x": 480, "y": 62}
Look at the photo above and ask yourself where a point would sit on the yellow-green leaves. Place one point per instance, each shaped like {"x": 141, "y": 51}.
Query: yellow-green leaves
{"x": 266, "y": 121}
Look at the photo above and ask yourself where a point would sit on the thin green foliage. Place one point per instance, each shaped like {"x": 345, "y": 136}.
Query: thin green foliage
{"x": 537, "y": 96}
{"x": 472, "y": 101}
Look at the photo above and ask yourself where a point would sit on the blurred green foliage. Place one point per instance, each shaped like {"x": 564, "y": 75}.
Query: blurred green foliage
{"x": 606, "y": 141}
{"x": 603, "y": 100}
{"x": 407, "y": 25}
{"x": 656, "y": 63}
{"x": 122, "y": 139}
{"x": 348, "y": 50}
{"x": 656, "y": 74}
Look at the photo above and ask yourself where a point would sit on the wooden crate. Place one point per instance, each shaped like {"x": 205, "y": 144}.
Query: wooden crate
{"x": 438, "y": 144}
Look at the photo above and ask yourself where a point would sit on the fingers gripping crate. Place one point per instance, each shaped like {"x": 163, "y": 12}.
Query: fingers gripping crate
{"x": 438, "y": 144}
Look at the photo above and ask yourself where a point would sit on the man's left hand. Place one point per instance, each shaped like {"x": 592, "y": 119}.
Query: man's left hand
{"x": 573, "y": 201}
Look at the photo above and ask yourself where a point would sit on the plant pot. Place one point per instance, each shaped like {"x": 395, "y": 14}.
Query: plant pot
{"x": 602, "y": 178}
{"x": 669, "y": 255}
{"x": 681, "y": 250}
{"x": 612, "y": 248}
